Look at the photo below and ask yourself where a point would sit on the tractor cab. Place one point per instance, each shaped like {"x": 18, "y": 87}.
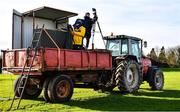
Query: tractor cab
{"x": 121, "y": 45}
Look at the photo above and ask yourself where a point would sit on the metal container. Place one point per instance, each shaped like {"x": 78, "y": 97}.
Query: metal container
{"x": 62, "y": 38}
{"x": 25, "y": 23}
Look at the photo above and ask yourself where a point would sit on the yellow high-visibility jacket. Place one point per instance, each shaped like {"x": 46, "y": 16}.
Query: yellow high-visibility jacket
{"x": 78, "y": 35}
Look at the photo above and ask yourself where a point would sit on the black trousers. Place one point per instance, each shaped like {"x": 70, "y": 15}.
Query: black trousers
{"x": 87, "y": 36}
{"x": 78, "y": 47}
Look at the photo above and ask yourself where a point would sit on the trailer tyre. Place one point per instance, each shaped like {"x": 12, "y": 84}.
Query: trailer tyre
{"x": 60, "y": 89}
{"x": 156, "y": 79}
{"x": 45, "y": 89}
{"x": 30, "y": 91}
{"x": 127, "y": 76}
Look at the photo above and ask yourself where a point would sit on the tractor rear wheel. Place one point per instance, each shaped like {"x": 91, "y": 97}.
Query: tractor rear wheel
{"x": 156, "y": 79}
{"x": 127, "y": 76}
{"x": 30, "y": 91}
{"x": 60, "y": 89}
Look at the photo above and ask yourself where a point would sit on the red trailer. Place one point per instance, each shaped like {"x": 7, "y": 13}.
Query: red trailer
{"x": 74, "y": 66}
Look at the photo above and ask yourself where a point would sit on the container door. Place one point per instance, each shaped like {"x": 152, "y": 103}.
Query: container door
{"x": 16, "y": 30}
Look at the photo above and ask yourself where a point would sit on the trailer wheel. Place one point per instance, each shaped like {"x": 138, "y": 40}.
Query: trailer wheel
{"x": 128, "y": 77}
{"x": 156, "y": 79}
{"x": 45, "y": 89}
{"x": 30, "y": 91}
{"x": 60, "y": 89}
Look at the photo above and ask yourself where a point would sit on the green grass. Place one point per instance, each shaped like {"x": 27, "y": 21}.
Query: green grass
{"x": 89, "y": 100}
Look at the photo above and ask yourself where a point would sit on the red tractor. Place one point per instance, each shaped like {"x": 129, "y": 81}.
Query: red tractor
{"x": 130, "y": 67}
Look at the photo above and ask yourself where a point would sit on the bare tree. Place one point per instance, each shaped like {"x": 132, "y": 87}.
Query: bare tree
{"x": 153, "y": 55}
{"x": 162, "y": 56}
{"x": 172, "y": 58}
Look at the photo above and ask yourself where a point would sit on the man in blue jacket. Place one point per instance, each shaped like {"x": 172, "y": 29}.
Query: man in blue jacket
{"x": 88, "y": 22}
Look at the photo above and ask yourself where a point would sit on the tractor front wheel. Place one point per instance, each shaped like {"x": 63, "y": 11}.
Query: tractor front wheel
{"x": 156, "y": 79}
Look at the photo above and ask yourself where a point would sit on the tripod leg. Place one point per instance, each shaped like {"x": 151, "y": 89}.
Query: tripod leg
{"x": 101, "y": 32}
{"x": 94, "y": 28}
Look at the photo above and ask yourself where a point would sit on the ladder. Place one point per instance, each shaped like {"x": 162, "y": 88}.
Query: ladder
{"x": 21, "y": 84}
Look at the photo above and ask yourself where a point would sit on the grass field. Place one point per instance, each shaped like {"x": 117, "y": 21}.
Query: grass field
{"x": 89, "y": 100}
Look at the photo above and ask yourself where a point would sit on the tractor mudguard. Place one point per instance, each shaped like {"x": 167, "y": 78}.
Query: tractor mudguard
{"x": 123, "y": 57}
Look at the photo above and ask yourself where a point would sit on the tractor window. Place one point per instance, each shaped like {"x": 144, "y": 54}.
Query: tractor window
{"x": 124, "y": 46}
{"x": 114, "y": 47}
{"x": 135, "y": 48}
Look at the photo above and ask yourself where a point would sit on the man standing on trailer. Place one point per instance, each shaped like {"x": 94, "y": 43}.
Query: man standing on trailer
{"x": 88, "y": 22}
{"x": 78, "y": 34}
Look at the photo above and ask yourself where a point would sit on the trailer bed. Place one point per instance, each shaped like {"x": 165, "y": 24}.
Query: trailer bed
{"x": 53, "y": 59}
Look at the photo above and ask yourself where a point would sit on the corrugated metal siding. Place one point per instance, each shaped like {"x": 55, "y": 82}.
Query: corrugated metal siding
{"x": 28, "y": 28}
{"x": 17, "y": 31}
{"x": 27, "y": 31}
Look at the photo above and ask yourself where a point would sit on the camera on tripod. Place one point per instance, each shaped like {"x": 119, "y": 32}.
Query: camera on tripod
{"x": 94, "y": 11}
{"x": 95, "y": 21}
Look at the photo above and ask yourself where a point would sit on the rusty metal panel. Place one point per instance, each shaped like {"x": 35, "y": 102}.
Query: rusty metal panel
{"x": 73, "y": 58}
{"x": 77, "y": 59}
{"x": 103, "y": 60}
{"x": 50, "y": 59}
{"x": 92, "y": 59}
{"x": 85, "y": 59}
{"x": 9, "y": 59}
{"x": 14, "y": 60}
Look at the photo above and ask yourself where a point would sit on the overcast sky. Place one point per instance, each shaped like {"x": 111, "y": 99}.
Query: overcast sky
{"x": 156, "y": 21}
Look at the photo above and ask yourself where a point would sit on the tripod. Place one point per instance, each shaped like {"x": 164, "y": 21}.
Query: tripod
{"x": 94, "y": 29}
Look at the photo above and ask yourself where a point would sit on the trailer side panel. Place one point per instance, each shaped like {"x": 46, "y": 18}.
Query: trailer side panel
{"x": 53, "y": 59}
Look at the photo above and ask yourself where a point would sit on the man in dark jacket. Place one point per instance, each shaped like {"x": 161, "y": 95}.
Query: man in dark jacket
{"x": 88, "y": 22}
